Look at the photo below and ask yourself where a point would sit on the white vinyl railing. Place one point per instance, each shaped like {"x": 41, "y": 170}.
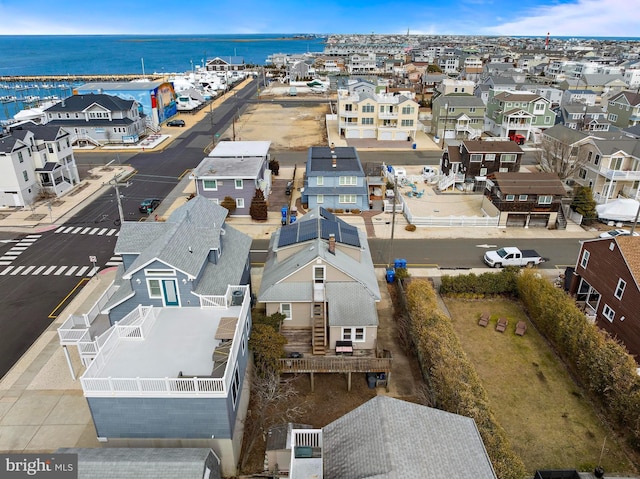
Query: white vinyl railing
{"x": 136, "y": 326}
{"x": 75, "y": 327}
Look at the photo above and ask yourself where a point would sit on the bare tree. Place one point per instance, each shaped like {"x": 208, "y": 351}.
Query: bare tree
{"x": 273, "y": 401}
{"x": 562, "y": 158}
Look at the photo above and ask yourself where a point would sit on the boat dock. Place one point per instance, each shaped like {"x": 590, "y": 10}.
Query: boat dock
{"x": 78, "y": 78}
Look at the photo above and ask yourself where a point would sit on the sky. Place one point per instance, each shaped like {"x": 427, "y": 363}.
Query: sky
{"x": 591, "y": 18}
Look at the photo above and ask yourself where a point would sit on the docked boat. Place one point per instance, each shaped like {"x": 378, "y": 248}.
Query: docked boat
{"x": 7, "y": 99}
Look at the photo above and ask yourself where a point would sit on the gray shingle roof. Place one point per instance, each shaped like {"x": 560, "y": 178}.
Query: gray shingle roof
{"x": 350, "y": 305}
{"x": 43, "y": 132}
{"x": 240, "y": 168}
{"x": 564, "y": 134}
{"x": 320, "y": 161}
{"x": 143, "y": 463}
{"x": 390, "y": 438}
{"x": 7, "y": 143}
{"x": 80, "y": 102}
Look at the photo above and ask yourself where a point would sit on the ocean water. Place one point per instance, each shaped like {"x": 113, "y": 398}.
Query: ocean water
{"x": 25, "y": 55}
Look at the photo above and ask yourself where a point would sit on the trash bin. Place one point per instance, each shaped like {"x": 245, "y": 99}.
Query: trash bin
{"x": 414, "y": 146}
{"x": 391, "y": 275}
{"x": 403, "y": 263}
{"x": 389, "y": 168}
{"x": 371, "y": 380}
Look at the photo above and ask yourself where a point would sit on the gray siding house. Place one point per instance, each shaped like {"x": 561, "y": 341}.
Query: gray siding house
{"x": 335, "y": 179}
{"x": 234, "y": 169}
{"x": 320, "y": 275}
{"x": 170, "y": 369}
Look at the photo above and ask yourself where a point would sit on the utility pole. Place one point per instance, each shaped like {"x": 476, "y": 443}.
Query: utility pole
{"x": 393, "y": 217}
{"x": 116, "y": 185}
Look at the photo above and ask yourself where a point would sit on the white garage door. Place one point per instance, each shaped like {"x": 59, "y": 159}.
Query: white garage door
{"x": 368, "y": 133}
{"x": 401, "y": 135}
{"x": 518, "y": 220}
{"x": 353, "y": 133}
{"x": 386, "y": 135}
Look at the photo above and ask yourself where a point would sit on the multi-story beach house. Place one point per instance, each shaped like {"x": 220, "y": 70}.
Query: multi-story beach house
{"x": 98, "y": 119}
{"x": 234, "y": 169}
{"x": 319, "y": 274}
{"x": 36, "y": 160}
{"x": 523, "y": 113}
{"x": 169, "y": 366}
{"x": 335, "y": 179}
{"x": 623, "y": 109}
{"x": 383, "y": 116}
{"x": 457, "y": 116}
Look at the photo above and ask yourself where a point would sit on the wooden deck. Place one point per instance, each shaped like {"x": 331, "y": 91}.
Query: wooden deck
{"x": 335, "y": 364}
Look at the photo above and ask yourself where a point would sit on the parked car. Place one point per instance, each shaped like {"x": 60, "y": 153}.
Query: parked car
{"x": 617, "y": 232}
{"x": 289, "y": 188}
{"x": 149, "y": 205}
{"x": 176, "y": 123}
{"x": 428, "y": 172}
{"x": 518, "y": 138}
{"x": 511, "y": 256}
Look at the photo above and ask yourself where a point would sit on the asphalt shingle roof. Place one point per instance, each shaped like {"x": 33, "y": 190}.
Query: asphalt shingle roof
{"x": 320, "y": 161}
{"x": 390, "y": 438}
{"x": 529, "y": 183}
{"x": 80, "y": 102}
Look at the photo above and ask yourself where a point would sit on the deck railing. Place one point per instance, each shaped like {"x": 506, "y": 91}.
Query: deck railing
{"x": 334, "y": 364}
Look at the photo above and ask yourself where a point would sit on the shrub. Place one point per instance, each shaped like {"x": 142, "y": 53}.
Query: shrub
{"x": 454, "y": 383}
{"x": 228, "y": 203}
{"x": 503, "y": 282}
{"x": 355, "y": 211}
{"x": 402, "y": 273}
{"x": 410, "y": 227}
{"x": 258, "y": 209}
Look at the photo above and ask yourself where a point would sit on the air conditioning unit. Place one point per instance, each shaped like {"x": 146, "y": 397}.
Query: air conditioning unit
{"x": 236, "y": 297}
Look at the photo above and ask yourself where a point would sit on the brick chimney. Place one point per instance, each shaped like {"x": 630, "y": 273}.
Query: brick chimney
{"x": 332, "y": 244}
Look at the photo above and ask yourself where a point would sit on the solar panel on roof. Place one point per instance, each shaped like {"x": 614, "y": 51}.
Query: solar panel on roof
{"x": 349, "y": 235}
{"x": 307, "y": 230}
{"x": 325, "y": 214}
{"x": 328, "y": 228}
{"x": 288, "y": 235}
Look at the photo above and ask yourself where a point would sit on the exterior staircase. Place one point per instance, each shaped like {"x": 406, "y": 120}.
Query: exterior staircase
{"x": 318, "y": 338}
{"x": 561, "y": 221}
{"x": 446, "y": 181}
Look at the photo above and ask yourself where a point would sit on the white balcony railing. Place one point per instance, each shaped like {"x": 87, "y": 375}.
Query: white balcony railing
{"x": 620, "y": 174}
{"x": 387, "y": 116}
{"x": 349, "y": 114}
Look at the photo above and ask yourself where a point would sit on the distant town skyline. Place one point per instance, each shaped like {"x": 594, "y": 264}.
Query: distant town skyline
{"x": 590, "y": 18}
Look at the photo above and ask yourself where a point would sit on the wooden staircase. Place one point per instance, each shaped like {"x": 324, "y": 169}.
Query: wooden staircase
{"x": 318, "y": 337}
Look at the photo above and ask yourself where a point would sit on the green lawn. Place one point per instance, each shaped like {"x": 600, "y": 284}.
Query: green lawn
{"x": 548, "y": 421}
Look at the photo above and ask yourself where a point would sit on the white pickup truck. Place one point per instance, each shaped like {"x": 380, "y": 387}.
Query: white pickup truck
{"x": 511, "y": 256}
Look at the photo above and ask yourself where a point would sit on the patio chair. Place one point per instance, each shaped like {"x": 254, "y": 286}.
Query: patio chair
{"x": 484, "y": 319}
{"x": 521, "y": 328}
{"x": 502, "y": 325}
{"x": 419, "y": 193}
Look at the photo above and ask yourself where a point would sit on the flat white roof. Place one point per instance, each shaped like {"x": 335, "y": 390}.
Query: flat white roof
{"x": 181, "y": 339}
{"x": 236, "y": 149}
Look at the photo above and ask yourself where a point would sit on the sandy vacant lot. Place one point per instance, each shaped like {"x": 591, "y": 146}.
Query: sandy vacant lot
{"x": 287, "y": 127}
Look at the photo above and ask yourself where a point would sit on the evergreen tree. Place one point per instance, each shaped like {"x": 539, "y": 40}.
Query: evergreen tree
{"x": 229, "y": 203}
{"x": 258, "y": 208}
{"x": 584, "y": 204}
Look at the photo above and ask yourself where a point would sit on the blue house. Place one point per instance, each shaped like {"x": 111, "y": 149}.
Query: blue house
{"x": 335, "y": 179}
{"x": 170, "y": 370}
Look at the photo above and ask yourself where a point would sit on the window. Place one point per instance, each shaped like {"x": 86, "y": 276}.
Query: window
{"x": 522, "y": 198}
{"x": 353, "y": 334}
{"x": 407, "y": 110}
{"x": 490, "y": 157}
{"x": 318, "y": 274}
{"x": 597, "y": 160}
{"x": 235, "y": 387}
{"x": 319, "y": 180}
{"x": 20, "y": 157}
{"x": 210, "y": 185}
{"x": 366, "y": 121}
{"x": 545, "y": 199}
{"x": 510, "y": 197}
{"x": 368, "y": 109}
{"x": 475, "y": 158}
{"x": 608, "y": 313}
{"x": 348, "y": 107}
{"x": 239, "y": 184}
{"x": 50, "y": 148}
{"x": 584, "y": 261}
{"x": 508, "y": 158}
{"x": 154, "y": 289}
{"x": 620, "y": 288}
{"x": 25, "y": 175}
{"x": 472, "y": 109}
{"x": 348, "y": 180}
{"x": 285, "y": 308}
{"x": 538, "y": 107}
{"x": 547, "y": 120}
{"x": 239, "y": 202}
{"x": 613, "y": 117}
{"x": 582, "y": 173}
{"x": 347, "y": 199}
{"x": 320, "y": 199}
{"x": 406, "y": 123}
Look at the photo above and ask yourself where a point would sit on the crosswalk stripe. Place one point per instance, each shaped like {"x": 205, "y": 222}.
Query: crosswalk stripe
{"x": 94, "y": 231}
{"x": 18, "y": 248}
{"x": 102, "y": 231}
{"x": 59, "y": 270}
{"x": 84, "y": 231}
{"x": 7, "y": 257}
{"x": 34, "y": 236}
{"x": 68, "y": 229}
{"x": 93, "y": 271}
{"x": 27, "y": 241}
{"x": 37, "y": 270}
{"x": 59, "y": 230}
{"x": 76, "y": 230}
{"x": 27, "y": 270}
{"x": 4, "y": 263}
{"x": 111, "y": 231}
{"x": 71, "y": 270}
{"x": 6, "y": 270}
{"x": 81, "y": 271}
{"x": 49, "y": 270}
{"x": 17, "y": 270}
{"x": 24, "y": 244}
{"x": 13, "y": 253}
